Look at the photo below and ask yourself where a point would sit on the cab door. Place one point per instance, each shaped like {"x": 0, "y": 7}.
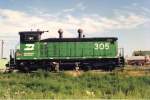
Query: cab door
{"x": 44, "y": 50}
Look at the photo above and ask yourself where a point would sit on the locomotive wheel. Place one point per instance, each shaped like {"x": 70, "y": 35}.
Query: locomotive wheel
{"x": 110, "y": 68}
{"x": 86, "y": 67}
{"x": 26, "y": 69}
{"x": 48, "y": 69}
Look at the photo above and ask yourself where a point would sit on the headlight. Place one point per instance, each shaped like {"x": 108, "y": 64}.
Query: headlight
{"x": 18, "y": 54}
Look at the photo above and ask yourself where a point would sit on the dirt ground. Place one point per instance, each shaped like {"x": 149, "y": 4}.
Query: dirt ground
{"x": 137, "y": 70}
{"x": 128, "y": 71}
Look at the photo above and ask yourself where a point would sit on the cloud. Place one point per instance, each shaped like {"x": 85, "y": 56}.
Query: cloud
{"x": 12, "y": 21}
{"x": 146, "y": 10}
{"x": 135, "y": 4}
{"x": 69, "y": 10}
{"x": 79, "y": 7}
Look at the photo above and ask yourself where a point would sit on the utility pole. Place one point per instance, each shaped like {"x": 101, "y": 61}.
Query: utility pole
{"x": 2, "y": 48}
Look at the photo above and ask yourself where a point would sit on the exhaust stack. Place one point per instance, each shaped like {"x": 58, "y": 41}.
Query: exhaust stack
{"x": 80, "y": 31}
{"x": 60, "y": 31}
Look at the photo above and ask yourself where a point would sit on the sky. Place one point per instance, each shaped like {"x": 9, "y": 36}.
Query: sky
{"x": 129, "y": 20}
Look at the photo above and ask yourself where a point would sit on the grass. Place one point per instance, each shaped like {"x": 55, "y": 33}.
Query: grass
{"x": 44, "y": 85}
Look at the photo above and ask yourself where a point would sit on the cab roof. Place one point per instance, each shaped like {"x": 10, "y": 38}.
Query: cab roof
{"x": 31, "y": 32}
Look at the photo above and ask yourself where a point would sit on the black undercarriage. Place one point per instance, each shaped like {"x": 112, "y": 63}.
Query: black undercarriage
{"x": 69, "y": 64}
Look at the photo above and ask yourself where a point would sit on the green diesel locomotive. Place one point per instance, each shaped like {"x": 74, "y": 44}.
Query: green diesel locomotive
{"x": 65, "y": 53}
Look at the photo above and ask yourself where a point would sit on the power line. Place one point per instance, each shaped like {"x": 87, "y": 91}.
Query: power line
{"x": 2, "y": 47}
{"x": 6, "y": 44}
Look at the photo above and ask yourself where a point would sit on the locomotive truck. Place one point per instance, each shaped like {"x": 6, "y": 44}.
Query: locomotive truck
{"x": 65, "y": 53}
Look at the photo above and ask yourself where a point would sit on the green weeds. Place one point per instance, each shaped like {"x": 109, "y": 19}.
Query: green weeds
{"x": 44, "y": 85}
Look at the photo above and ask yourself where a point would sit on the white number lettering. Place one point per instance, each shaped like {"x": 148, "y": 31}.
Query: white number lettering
{"x": 101, "y": 46}
{"x": 29, "y": 47}
{"x": 106, "y": 46}
{"x": 96, "y": 46}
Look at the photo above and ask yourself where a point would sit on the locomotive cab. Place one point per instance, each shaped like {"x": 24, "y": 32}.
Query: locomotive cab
{"x": 30, "y": 36}
{"x": 26, "y": 51}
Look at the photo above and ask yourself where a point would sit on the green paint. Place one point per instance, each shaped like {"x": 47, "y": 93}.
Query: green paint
{"x": 72, "y": 50}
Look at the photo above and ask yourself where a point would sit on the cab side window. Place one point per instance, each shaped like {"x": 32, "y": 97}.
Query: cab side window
{"x": 31, "y": 38}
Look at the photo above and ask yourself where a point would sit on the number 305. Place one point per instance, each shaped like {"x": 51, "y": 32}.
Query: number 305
{"x": 101, "y": 46}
